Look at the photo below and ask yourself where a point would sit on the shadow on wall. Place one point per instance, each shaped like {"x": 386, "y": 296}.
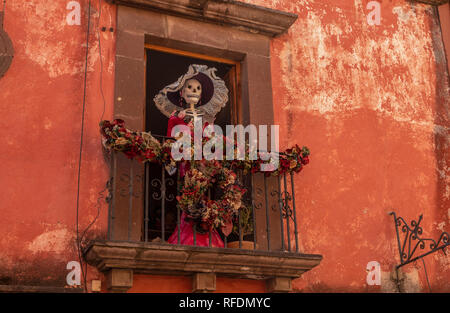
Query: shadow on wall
{"x": 42, "y": 270}
{"x": 441, "y": 120}
{"x": 441, "y": 134}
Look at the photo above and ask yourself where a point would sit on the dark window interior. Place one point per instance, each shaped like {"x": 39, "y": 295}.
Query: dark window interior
{"x": 163, "y": 69}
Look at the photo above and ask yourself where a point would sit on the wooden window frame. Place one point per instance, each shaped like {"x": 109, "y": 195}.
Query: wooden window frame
{"x": 236, "y": 102}
{"x": 138, "y": 29}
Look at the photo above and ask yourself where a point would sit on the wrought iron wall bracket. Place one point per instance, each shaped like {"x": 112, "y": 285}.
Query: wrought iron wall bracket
{"x": 412, "y": 240}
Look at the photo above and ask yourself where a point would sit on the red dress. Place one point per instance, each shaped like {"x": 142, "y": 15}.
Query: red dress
{"x": 186, "y": 227}
{"x": 174, "y": 121}
{"x": 187, "y": 236}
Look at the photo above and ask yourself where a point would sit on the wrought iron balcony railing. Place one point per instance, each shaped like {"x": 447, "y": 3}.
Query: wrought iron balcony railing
{"x": 143, "y": 208}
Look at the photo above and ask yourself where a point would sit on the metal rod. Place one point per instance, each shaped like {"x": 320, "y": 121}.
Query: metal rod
{"x": 420, "y": 256}
{"x": 288, "y": 213}
{"x": 163, "y": 203}
{"x": 147, "y": 204}
{"x": 130, "y": 208}
{"x": 267, "y": 213}
{"x": 210, "y": 238}
{"x": 409, "y": 245}
{"x": 113, "y": 199}
{"x": 240, "y": 229}
{"x": 414, "y": 250}
{"x": 253, "y": 216}
{"x": 109, "y": 218}
{"x": 178, "y": 208}
{"x": 195, "y": 235}
{"x": 295, "y": 213}
{"x": 404, "y": 245}
{"x": 280, "y": 204}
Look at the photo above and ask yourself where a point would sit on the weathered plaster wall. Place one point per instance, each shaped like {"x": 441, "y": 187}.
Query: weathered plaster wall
{"x": 371, "y": 102}
{"x": 40, "y": 107}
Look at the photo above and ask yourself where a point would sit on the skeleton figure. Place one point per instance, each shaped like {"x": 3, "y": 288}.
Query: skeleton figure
{"x": 199, "y": 92}
{"x": 192, "y": 91}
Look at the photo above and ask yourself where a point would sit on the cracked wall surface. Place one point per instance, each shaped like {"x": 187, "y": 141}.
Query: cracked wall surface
{"x": 372, "y": 104}
{"x": 41, "y": 99}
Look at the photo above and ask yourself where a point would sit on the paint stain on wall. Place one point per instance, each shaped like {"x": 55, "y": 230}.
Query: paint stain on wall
{"x": 54, "y": 241}
{"x": 52, "y": 44}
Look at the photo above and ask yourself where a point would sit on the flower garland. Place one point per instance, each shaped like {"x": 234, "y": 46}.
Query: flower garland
{"x": 145, "y": 148}
{"x": 207, "y": 214}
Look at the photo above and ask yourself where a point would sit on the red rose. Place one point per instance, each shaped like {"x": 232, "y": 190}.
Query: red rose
{"x": 149, "y": 154}
{"x": 305, "y": 160}
{"x": 119, "y": 122}
{"x": 285, "y": 163}
{"x": 130, "y": 154}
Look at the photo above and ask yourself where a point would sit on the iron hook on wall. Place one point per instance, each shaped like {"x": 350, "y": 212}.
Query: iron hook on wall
{"x": 412, "y": 241}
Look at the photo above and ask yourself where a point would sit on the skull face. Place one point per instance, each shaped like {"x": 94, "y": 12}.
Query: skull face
{"x": 192, "y": 91}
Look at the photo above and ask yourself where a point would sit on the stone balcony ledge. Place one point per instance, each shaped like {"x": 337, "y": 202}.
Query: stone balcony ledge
{"x": 167, "y": 259}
